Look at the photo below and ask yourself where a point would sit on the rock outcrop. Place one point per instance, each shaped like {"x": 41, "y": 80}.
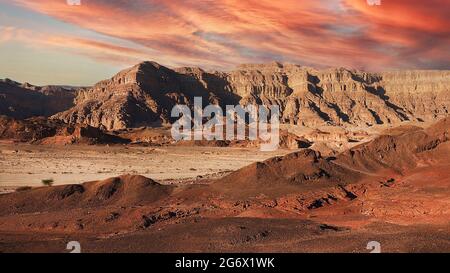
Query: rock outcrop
{"x": 40, "y": 130}
{"x": 145, "y": 94}
{"x": 403, "y": 149}
{"x": 26, "y": 100}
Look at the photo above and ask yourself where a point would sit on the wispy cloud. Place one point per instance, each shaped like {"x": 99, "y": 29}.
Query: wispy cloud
{"x": 103, "y": 51}
{"x": 221, "y": 34}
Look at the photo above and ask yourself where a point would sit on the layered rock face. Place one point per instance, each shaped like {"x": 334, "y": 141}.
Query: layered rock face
{"x": 26, "y": 100}
{"x": 343, "y": 97}
{"x": 145, "y": 94}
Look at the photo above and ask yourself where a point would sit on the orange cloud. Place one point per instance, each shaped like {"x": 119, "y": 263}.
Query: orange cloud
{"x": 95, "y": 49}
{"x": 221, "y": 34}
{"x": 430, "y": 15}
{"x": 8, "y": 33}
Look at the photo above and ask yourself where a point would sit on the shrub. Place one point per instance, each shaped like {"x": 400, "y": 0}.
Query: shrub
{"x": 47, "y": 182}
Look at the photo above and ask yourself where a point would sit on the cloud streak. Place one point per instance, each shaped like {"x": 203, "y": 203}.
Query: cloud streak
{"x": 222, "y": 34}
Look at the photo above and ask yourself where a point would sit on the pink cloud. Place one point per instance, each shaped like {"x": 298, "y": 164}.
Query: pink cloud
{"x": 221, "y": 34}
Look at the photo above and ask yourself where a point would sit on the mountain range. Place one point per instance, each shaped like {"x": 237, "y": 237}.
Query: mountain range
{"x": 144, "y": 95}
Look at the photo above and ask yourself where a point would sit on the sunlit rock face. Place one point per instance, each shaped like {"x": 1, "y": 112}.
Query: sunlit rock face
{"x": 145, "y": 94}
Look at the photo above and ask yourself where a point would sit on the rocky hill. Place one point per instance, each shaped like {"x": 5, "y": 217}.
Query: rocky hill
{"x": 145, "y": 94}
{"x": 25, "y": 100}
{"x": 40, "y": 130}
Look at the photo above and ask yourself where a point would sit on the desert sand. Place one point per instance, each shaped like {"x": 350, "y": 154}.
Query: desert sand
{"x": 28, "y": 165}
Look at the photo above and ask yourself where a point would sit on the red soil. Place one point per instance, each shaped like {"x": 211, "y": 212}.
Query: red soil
{"x": 394, "y": 189}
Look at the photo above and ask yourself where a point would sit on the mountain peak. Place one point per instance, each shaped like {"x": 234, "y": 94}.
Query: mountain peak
{"x": 148, "y": 64}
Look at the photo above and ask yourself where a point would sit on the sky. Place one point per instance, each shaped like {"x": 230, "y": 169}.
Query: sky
{"x": 52, "y": 42}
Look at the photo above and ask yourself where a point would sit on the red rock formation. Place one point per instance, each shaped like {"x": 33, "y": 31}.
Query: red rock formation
{"x": 146, "y": 93}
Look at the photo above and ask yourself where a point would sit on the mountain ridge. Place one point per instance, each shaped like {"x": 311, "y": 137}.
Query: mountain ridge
{"x": 25, "y": 100}
{"x": 143, "y": 95}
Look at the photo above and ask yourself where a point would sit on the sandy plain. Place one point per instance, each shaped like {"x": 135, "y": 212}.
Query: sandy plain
{"x": 27, "y": 165}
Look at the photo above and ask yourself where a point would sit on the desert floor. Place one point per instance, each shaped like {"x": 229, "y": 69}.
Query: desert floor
{"x": 263, "y": 207}
{"x": 28, "y": 165}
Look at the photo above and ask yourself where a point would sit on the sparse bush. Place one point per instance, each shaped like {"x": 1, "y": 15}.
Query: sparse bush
{"x": 24, "y": 188}
{"x": 47, "y": 182}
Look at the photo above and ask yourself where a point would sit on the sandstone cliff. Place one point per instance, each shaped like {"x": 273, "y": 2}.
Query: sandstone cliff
{"x": 145, "y": 94}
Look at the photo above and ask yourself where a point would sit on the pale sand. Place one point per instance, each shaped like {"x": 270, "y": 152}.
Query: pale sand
{"x": 28, "y": 165}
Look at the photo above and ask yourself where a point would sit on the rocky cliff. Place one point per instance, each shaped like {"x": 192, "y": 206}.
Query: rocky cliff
{"x": 145, "y": 94}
